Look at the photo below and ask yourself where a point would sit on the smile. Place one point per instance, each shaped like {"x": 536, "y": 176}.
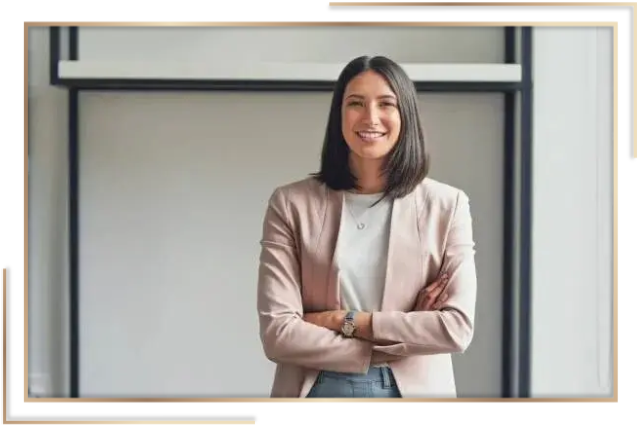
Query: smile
{"x": 370, "y": 136}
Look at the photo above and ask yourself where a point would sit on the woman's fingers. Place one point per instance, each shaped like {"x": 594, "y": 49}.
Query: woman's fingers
{"x": 379, "y": 357}
{"x": 436, "y": 293}
{"x": 439, "y": 285}
{"x": 433, "y": 296}
{"x": 441, "y": 301}
{"x": 422, "y": 295}
{"x": 433, "y": 287}
{"x": 442, "y": 297}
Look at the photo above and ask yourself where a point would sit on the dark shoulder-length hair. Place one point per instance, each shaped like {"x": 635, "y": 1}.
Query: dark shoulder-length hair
{"x": 408, "y": 161}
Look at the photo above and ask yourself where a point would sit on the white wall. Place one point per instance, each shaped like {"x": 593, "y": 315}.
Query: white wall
{"x": 572, "y": 213}
{"x": 571, "y": 261}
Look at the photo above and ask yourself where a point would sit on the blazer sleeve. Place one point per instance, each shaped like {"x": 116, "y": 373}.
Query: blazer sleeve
{"x": 450, "y": 329}
{"x": 285, "y": 336}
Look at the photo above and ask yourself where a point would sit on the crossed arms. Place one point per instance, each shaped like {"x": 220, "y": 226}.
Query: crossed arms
{"x": 436, "y": 325}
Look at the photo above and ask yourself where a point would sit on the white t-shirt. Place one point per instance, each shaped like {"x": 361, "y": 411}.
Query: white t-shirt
{"x": 363, "y": 243}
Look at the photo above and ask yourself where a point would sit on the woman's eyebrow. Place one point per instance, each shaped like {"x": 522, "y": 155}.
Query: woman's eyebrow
{"x": 355, "y": 95}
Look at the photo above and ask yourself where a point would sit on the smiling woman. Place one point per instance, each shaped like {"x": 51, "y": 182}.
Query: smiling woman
{"x": 374, "y": 140}
{"x": 367, "y": 277}
{"x": 370, "y": 119}
{"x": 370, "y": 125}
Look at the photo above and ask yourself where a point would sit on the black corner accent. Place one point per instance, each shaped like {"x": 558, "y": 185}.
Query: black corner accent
{"x": 54, "y": 55}
{"x": 74, "y": 305}
{"x": 509, "y": 206}
{"x": 526, "y": 210}
{"x": 74, "y": 253}
{"x": 73, "y": 43}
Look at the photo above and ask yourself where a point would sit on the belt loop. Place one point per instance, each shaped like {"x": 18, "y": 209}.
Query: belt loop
{"x": 386, "y": 380}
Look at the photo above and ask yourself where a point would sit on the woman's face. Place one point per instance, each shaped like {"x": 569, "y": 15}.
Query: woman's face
{"x": 370, "y": 116}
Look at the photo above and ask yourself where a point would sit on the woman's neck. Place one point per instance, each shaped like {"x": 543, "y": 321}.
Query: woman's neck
{"x": 368, "y": 173}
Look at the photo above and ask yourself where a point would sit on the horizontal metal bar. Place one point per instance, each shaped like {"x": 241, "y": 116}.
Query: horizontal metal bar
{"x": 270, "y": 85}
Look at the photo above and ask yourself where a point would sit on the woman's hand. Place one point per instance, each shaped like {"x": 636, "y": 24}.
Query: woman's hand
{"x": 334, "y": 319}
{"x": 434, "y": 295}
{"x": 379, "y": 358}
{"x": 331, "y": 319}
{"x": 430, "y": 298}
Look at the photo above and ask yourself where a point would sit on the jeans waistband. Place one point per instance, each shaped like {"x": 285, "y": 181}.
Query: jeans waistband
{"x": 375, "y": 373}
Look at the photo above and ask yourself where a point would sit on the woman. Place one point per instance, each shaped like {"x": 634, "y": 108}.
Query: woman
{"x": 367, "y": 279}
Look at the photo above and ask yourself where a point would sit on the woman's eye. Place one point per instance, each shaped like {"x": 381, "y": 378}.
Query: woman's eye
{"x": 384, "y": 104}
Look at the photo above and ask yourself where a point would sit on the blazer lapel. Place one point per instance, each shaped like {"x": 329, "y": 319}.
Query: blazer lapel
{"x": 326, "y": 249}
{"x": 404, "y": 261}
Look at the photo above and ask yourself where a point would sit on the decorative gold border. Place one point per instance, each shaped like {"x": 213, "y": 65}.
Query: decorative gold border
{"x": 310, "y": 24}
{"x": 4, "y": 342}
{"x": 481, "y": 4}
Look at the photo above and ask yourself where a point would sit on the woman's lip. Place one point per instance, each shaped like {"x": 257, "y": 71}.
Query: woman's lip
{"x": 370, "y": 136}
{"x": 367, "y": 132}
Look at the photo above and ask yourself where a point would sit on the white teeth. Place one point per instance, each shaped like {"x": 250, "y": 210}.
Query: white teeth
{"x": 370, "y": 135}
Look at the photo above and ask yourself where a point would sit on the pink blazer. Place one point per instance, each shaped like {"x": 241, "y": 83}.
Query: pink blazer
{"x": 431, "y": 232}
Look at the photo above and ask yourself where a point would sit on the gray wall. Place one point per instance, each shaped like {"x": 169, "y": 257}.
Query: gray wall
{"x": 173, "y": 192}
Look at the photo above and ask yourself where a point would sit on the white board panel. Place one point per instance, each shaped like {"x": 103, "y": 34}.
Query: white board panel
{"x": 173, "y": 188}
{"x": 137, "y": 70}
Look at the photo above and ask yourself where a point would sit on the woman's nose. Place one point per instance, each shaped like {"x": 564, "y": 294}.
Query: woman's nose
{"x": 371, "y": 115}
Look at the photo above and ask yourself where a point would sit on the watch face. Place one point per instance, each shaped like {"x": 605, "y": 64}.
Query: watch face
{"x": 348, "y": 329}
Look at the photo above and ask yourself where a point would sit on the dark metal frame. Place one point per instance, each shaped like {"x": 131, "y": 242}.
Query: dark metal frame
{"x": 516, "y": 364}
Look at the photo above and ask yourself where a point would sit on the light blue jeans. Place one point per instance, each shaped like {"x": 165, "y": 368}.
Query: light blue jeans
{"x": 378, "y": 382}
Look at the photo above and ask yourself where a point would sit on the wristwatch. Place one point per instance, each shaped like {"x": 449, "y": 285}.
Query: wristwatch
{"x": 349, "y": 324}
